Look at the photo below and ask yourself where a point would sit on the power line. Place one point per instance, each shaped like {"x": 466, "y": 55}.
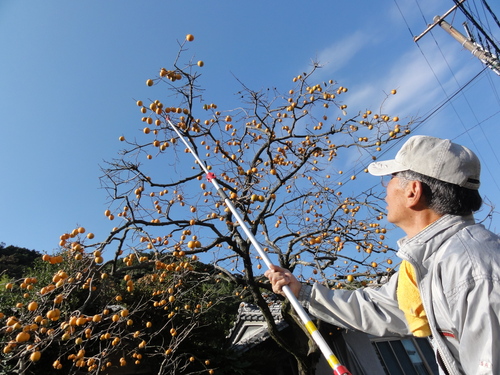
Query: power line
{"x": 467, "y": 130}
{"x": 493, "y": 15}
{"x": 476, "y": 24}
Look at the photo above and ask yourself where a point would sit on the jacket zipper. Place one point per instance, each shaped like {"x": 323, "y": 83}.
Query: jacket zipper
{"x": 436, "y": 342}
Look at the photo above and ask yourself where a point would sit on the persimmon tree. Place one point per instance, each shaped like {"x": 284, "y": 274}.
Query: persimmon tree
{"x": 292, "y": 162}
{"x": 75, "y": 313}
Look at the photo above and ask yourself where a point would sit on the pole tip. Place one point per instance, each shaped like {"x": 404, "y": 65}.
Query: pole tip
{"x": 341, "y": 370}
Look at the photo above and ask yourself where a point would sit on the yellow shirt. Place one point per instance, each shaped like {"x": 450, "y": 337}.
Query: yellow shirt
{"x": 410, "y": 302}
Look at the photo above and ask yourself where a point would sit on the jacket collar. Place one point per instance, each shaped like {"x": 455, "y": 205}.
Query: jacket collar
{"x": 418, "y": 249}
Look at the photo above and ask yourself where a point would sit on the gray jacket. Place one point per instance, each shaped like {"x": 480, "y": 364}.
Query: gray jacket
{"x": 458, "y": 273}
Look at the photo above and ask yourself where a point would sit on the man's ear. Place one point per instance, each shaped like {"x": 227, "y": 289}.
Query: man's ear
{"x": 414, "y": 193}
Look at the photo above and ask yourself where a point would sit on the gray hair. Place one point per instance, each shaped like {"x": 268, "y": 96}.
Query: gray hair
{"x": 443, "y": 197}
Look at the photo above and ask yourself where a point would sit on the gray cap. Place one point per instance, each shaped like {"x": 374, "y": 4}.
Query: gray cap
{"x": 434, "y": 157}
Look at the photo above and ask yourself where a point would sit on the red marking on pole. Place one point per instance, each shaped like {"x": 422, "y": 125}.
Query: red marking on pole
{"x": 341, "y": 370}
{"x": 210, "y": 176}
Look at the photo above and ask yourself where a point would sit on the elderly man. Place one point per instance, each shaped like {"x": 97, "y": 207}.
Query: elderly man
{"x": 448, "y": 285}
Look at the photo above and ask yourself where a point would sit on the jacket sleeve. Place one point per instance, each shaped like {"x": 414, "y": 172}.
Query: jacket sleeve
{"x": 374, "y": 311}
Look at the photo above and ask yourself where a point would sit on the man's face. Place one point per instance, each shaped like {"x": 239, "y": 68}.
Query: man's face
{"x": 396, "y": 211}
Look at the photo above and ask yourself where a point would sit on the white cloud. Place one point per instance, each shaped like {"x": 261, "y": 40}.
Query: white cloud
{"x": 339, "y": 54}
{"x": 417, "y": 11}
{"x": 421, "y": 82}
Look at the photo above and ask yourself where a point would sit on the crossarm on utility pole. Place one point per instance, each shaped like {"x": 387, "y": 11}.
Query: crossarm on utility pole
{"x": 431, "y": 26}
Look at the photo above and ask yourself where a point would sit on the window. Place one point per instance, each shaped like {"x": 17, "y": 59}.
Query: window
{"x": 411, "y": 356}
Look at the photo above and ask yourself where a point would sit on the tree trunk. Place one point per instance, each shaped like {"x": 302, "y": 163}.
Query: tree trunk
{"x": 308, "y": 353}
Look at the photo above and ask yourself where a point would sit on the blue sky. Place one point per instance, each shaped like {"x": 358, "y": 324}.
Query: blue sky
{"x": 71, "y": 71}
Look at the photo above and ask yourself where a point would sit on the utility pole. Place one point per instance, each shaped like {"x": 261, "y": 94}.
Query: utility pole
{"x": 490, "y": 60}
{"x": 486, "y": 57}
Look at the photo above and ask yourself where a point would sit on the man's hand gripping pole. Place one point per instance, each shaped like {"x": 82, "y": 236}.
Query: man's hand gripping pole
{"x": 338, "y": 369}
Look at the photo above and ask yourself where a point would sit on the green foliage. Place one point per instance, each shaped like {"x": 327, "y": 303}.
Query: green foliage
{"x": 7, "y": 298}
{"x": 13, "y": 260}
{"x": 175, "y": 293}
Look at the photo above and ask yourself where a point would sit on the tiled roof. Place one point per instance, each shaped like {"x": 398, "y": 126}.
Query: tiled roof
{"x": 250, "y": 328}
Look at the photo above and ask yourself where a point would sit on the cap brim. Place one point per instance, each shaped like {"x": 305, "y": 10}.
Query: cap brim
{"x": 384, "y": 168}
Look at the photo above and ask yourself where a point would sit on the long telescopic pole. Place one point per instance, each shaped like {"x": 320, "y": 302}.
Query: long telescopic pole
{"x": 338, "y": 369}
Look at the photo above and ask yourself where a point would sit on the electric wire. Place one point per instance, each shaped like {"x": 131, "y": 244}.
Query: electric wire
{"x": 449, "y": 98}
{"x": 471, "y": 109}
{"x": 493, "y": 15}
{"x": 424, "y": 121}
{"x": 477, "y": 25}
{"x": 467, "y": 131}
{"x": 494, "y": 89}
{"x": 486, "y": 45}
{"x": 487, "y": 14}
